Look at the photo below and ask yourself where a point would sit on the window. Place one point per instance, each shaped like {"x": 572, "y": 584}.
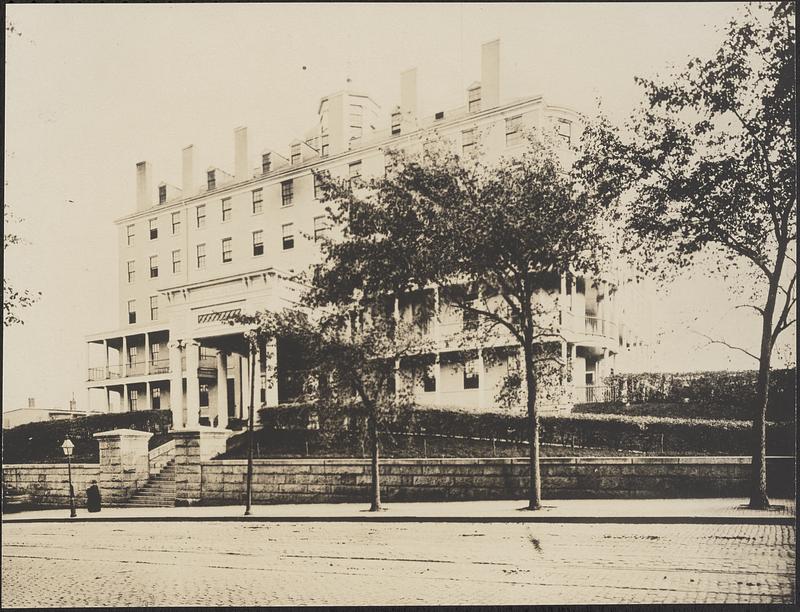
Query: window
{"x": 321, "y": 227}
{"x": 467, "y": 141}
{"x": 154, "y": 266}
{"x": 287, "y": 192}
{"x": 474, "y": 98}
{"x": 162, "y": 194}
{"x": 155, "y": 350}
{"x": 154, "y": 308}
{"x": 131, "y": 311}
{"x": 211, "y": 179}
{"x": 469, "y": 320}
{"x": 513, "y": 130}
{"x": 295, "y": 154}
{"x": 132, "y": 353}
{"x": 564, "y": 131}
{"x": 258, "y": 198}
{"x": 131, "y": 271}
{"x": 201, "y": 215}
{"x": 266, "y": 163}
{"x": 204, "y": 395}
{"x": 288, "y": 236}
{"x": 156, "y": 399}
{"x": 153, "y": 229}
{"x": 131, "y": 232}
{"x": 429, "y": 381}
{"x": 226, "y": 209}
{"x": 395, "y": 123}
{"x": 176, "y": 261}
{"x": 134, "y": 399}
{"x": 317, "y": 186}
{"x": 324, "y": 145}
{"x": 258, "y": 242}
{"x": 354, "y": 172}
{"x": 227, "y": 250}
{"x": 176, "y": 223}
{"x": 471, "y": 378}
{"x": 201, "y": 256}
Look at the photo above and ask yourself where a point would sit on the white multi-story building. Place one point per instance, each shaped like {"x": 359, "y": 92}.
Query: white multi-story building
{"x": 192, "y": 257}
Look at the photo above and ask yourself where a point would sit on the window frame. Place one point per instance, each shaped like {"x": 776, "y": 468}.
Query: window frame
{"x": 266, "y": 163}
{"x": 473, "y": 100}
{"x": 176, "y": 261}
{"x": 153, "y": 268}
{"x": 471, "y": 376}
{"x": 227, "y": 209}
{"x": 513, "y": 136}
{"x": 131, "y": 312}
{"x": 468, "y": 147}
{"x": 396, "y": 123}
{"x": 154, "y": 308}
{"x": 287, "y": 238}
{"x": 154, "y": 228}
{"x": 295, "y": 154}
{"x": 200, "y": 216}
{"x": 131, "y": 271}
{"x": 229, "y": 251}
{"x": 200, "y": 256}
{"x": 130, "y": 231}
{"x": 176, "y": 222}
{"x": 287, "y": 193}
{"x": 258, "y": 245}
{"x": 260, "y": 201}
{"x": 162, "y": 194}
{"x": 324, "y": 227}
{"x": 211, "y": 180}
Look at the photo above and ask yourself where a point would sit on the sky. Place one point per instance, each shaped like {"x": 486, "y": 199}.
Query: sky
{"x": 93, "y": 89}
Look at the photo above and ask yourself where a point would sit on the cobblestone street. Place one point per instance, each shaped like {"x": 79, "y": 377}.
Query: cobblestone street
{"x": 232, "y": 563}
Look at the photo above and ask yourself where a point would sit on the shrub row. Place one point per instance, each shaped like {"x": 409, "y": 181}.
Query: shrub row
{"x": 41, "y": 442}
{"x": 636, "y": 433}
{"x": 734, "y": 392}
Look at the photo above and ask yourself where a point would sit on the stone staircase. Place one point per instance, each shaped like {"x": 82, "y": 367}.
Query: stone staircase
{"x": 159, "y": 492}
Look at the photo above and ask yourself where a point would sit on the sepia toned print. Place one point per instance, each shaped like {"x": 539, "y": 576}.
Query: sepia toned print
{"x": 422, "y": 304}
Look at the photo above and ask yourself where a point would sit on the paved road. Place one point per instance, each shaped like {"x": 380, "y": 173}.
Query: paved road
{"x": 227, "y": 563}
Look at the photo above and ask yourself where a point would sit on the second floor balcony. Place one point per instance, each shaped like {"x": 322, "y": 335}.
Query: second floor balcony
{"x": 137, "y": 368}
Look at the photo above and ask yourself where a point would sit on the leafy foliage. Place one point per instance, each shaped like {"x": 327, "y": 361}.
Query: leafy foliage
{"x": 708, "y": 163}
{"x": 14, "y": 300}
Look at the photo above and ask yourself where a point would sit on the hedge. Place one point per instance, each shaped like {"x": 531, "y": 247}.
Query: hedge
{"x": 643, "y": 434}
{"x": 733, "y": 392}
{"x": 41, "y": 441}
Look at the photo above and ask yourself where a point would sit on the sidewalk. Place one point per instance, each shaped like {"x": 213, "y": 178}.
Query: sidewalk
{"x": 714, "y": 510}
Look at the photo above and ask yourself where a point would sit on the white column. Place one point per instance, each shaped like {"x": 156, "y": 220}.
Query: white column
{"x": 255, "y": 364}
{"x": 125, "y": 407}
{"x": 245, "y": 386}
{"x": 222, "y": 390}
{"x": 192, "y": 383}
{"x": 147, "y": 353}
{"x": 437, "y": 373}
{"x": 124, "y": 356}
{"x": 108, "y": 399}
{"x": 238, "y": 387}
{"x": 175, "y": 385}
{"x": 396, "y": 361}
{"x": 147, "y": 391}
{"x": 482, "y": 386}
{"x": 105, "y": 349}
{"x": 272, "y": 374}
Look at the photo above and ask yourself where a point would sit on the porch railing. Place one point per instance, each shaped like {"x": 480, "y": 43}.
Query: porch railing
{"x": 159, "y": 366}
{"x": 592, "y": 394}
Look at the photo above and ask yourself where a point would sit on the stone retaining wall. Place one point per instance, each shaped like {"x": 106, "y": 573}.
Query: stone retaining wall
{"x": 340, "y": 480}
{"x": 48, "y": 483}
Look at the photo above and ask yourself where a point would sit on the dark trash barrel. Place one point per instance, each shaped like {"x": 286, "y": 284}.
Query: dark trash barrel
{"x": 93, "y": 500}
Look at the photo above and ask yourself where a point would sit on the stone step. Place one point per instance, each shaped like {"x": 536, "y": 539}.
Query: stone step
{"x": 164, "y": 494}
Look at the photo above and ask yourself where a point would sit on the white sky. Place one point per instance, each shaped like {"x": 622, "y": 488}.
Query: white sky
{"x": 93, "y": 89}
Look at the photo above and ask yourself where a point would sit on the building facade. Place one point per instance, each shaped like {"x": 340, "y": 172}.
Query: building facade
{"x": 193, "y": 256}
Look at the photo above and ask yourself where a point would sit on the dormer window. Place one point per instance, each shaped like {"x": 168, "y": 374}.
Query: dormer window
{"x": 266, "y": 163}
{"x": 564, "y": 131}
{"x": 295, "y": 153}
{"x": 474, "y": 99}
{"x": 323, "y": 151}
{"x": 211, "y": 178}
{"x": 395, "y": 123}
{"x": 162, "y": 194}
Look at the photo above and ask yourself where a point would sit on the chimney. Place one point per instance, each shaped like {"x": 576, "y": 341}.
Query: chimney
{"x": 408, "y": 94}
{"x": 72, "y": 403}
{"x": 143, "y": 186}
{"x": 188, "y": 185}
{"x": 240, "y": 154}
{"x": 490, "y": 74}
{"x": 31, "y": 403}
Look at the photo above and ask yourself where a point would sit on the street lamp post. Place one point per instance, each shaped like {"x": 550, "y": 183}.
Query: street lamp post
{"x": 67, "y": 448}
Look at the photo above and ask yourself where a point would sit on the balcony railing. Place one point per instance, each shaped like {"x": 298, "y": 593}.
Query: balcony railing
{"x": 97, "y": 374}
{"x": 135, "y": 369}
{"x": 592, "y": 394}
{"x": 595, "y": 326}
{"x": 159, "y": 366}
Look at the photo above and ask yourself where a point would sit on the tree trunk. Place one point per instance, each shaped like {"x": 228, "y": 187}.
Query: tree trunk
{"x": 758, "y": 482}
{"x": 535, "y": 495}
{"x": 376, "y": 473}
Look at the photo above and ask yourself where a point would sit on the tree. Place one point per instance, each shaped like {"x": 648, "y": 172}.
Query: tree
{"x": 351, "y": 355}
{"x": 14, "y": 300}
{"x": 496, "y": 235}
{"x": 708, "y": 164}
